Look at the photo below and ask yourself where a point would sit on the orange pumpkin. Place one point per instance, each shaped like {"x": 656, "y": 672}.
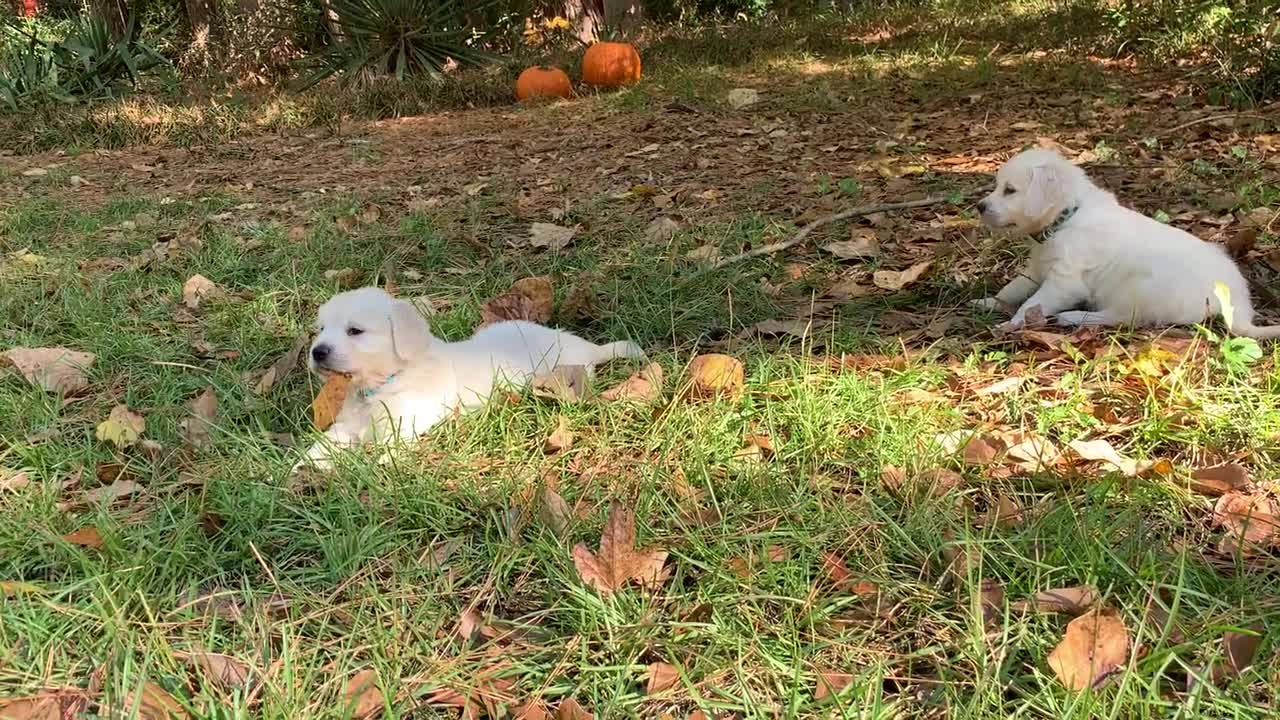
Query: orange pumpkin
{"x": 541, "y": 81}
{"x": 611, "y": 64}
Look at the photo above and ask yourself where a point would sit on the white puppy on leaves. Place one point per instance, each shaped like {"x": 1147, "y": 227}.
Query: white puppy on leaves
{"x": 404, "y": 380}
{"x": 1090, "y": 251}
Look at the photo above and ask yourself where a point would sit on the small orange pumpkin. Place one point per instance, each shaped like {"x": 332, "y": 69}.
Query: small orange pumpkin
{"x": 539, "y": 81}
{"x": 611, "y": 64}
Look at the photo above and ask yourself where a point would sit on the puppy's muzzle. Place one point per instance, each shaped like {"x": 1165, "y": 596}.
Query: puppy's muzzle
{"x": 982, "y": 206}
{"x": 320, "y": 354}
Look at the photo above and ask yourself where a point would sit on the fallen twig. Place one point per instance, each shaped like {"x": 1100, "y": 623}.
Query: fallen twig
{"x": 804, "y": 231}
{"x": 1212, "y": 118}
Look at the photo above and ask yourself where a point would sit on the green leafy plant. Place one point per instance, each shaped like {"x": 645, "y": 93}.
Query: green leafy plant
{"x": 86, "y": 64}
{"x": 399, "y": 38}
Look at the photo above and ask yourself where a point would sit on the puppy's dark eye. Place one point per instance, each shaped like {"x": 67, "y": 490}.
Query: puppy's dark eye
{"x": 354, "y": 331}
{"x": 1009, "y": 190}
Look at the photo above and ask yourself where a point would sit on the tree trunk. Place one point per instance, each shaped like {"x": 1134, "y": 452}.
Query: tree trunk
{"x": 203, "y": 16}
{"x": 587, "y": 17}
{"x": 115, "y": 13}
{"x": 331, "y": 20}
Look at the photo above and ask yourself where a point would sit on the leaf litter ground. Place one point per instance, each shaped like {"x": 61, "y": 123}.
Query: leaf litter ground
{"x": 870, "y": 497}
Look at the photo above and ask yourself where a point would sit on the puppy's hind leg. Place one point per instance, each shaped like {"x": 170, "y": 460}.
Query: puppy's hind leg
{"x": 620, "y": 349}
{"x": 1085, "y": 318}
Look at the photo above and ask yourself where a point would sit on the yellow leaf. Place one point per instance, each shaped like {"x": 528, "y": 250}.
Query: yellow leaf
{"x": 123, "y": 427}
{"x": 329, "y": 401}
{"x": 1223, "y": 293}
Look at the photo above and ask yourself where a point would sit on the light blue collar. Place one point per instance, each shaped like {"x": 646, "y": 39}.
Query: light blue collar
{"x": 367, "y": 393}
{"x": 1064, "y": 216}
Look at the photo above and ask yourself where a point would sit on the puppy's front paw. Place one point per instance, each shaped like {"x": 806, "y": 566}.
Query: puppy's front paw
{"x": 988, "y": 303}
{"x": 1009, "y": 326}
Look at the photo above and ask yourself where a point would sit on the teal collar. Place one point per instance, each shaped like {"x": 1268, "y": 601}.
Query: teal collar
{"x": 1064, "y": 216}
{"x": 367, "y": 393}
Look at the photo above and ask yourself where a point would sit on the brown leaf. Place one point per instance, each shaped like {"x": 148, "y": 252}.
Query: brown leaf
{"x": 56, "y": 369}
{"x": 532, "y": 710}
{"x": 831, "y": 683}
{"x": 708, "y": 252}
{"x": 939, "y": 481}
{"x": 713, "y": 375}
{"x": 618, "y": 561}
{"x": 898, "y": 279}
{"x": 154, "y": 703}
{"x": 554, "y": 511}
{"x": 864, "y": 244}
{"x": 197, "y": 289}
{"x": 13, "y": 480}
{"x": 1238, "y": 652}
{"x": 1030, "y": 452}
{"x": 1000, "y": 387}
{"x": 552, "y": 237}
{"x": 799, "y": 328}
{"x": 980, "y": 451}
{"x": 1219, "y": 480}
{"x": 528, "y": 299}
{"x": 223, "y": 670}
{"x": 564, "y": 384}
{"x": 1070, "y": 600}
{"x": 991, "y": 598}
{"x": 834, "y": 568}
{"x": 560, "y": 439}
{"x": 644, "y": 385}
{"x": 87, "y": 536}
{"x": 362, "y": 697}
{"x": 469, "y": 623}
{"x": 281, "y": 368}
{"x": 1101, "y": 451}
{"x": 122, "y": 428}
{"x": 195, "y": 430}
{"x": 848, "y": 289}
{"x": 755, "y": 448}
{"x": 1005, "y": 513}
{"x": 661, "y": 229}
{"x": 662, "y": 676}
{"x": 60, "y": 704}
{"x": 328, "y": 402}
{"x": 893, "y": 478}
{"x": 569, "y": 709}
{"x": 111, "y": 493}
{"x": 1242, "y": 241}
{"x": 1250, "y": 520}
{"x": 1095, "y": 646}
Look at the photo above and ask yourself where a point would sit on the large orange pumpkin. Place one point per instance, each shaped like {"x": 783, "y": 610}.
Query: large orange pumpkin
{"x": 611, "y": 64}
{"x": 541, "y": 81}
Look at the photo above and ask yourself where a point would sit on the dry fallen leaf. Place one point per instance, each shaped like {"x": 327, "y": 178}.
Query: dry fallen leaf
{"x": 13, "y": 479}
{"x": 708, "y": 252}
{"x": 282, "y": 367}
{"x": 154, "y": 703}
{"x": 554, "y": 511}
{"x": 528, "y": 299}
{"x": 1251, "y": 520}
{"x": 1069, "y": 600}
{"x": 560, "y": 439}
{"x": 1101, "y": 451}
{"x": 532, "y": 710}
{"x": 87, "y": 536}
{"x": 552, "y": 237}
{"x": 742, "y": 98}
{"x": 565, "y": 384}
{"x": 362, "y": 697}
{"x": 328, "y": 402}
{"x": 111, "y": 493}
{"x": 1095, "y": 646}
{"x": 618, "y": 561}
{"x": 991, "y": 599}
{"x": 122, "y": 427}
{"x": 223, "y": 670}
{"x": 569, "y": 709}
{"x": 662, "y": 676}
{"x": 644, "y": 385}
{"x": 848, "y": 289}
{"x": 56, "y": 369}
{"x": 713, "y": 375}
{"x": 755, "y": 448}
{"x": 1238, "y": 652}
{"x": 661, "y": 229}
{"x": 59, "y": 704}
{"x": 831, "y": 683}
{"x": 195, "y": 430}
{"x": 1220, "y": 479}
{"x": 898, "y": 279}
{"x": 864, "y": 244}
{"x": 197, "y": 289}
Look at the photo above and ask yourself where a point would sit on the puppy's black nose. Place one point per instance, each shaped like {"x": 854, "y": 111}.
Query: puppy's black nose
{"x": 982, "y": 206}
{"x": 320, "y": 353}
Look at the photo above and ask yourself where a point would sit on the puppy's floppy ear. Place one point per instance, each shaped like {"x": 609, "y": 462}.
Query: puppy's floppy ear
{"x": 1045, "y": 191}
{"x": 410, "y": 334}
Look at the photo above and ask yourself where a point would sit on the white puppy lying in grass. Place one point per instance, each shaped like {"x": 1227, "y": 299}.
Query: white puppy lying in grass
{"x": 1126, "y": 268}
{"x": 404, "y": 380}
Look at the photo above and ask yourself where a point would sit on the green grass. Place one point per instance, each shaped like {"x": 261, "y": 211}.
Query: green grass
{"x": 332, "y": 576}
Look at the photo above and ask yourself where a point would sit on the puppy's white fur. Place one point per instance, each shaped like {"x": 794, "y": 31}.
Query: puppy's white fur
{"x": 1126, "y": 268}
{"x": 404, "y": 380}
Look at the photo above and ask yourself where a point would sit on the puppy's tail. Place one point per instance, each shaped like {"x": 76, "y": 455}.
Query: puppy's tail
{"x": 1260, "y": 332}
{"x": 620, "y": 349}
